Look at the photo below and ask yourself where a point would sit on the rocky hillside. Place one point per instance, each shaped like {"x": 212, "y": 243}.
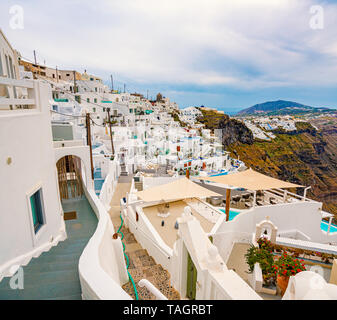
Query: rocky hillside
{"x": 232, "y": 130}
{"x": 306, "y": 156}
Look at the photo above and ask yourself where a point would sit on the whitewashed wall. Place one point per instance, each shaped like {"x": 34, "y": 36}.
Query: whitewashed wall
{"x": 301, "y": 218}
{"x": 26, "y": 140}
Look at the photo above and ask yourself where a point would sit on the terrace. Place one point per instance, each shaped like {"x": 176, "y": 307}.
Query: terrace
{"x": 165, "y": 225}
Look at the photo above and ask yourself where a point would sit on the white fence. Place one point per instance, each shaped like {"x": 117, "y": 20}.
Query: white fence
{"x": 27, "y": 94}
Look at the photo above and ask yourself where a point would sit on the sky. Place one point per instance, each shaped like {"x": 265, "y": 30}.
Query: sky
{"x": 228, "y": 54}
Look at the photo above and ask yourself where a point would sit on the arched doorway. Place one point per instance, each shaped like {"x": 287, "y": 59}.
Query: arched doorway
{"x": 70, "y": 180}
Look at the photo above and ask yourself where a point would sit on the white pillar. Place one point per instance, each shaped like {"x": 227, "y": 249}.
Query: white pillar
{"x": 330, "y": 221}
{"x": 254, "y": 200}
{"x": 285, "y": 195}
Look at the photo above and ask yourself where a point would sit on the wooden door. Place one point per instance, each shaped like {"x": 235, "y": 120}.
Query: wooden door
{"x": 191, "y": 278}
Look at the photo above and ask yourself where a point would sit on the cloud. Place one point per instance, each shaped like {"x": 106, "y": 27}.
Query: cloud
{"x": 238, "y": 43}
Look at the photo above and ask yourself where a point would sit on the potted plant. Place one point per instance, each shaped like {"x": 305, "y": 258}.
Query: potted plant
{"x": 284, "y": 267}
{"x": 264, "y": 257}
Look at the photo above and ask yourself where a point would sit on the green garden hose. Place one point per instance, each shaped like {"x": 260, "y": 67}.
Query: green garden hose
{"x": 127, "y": 258}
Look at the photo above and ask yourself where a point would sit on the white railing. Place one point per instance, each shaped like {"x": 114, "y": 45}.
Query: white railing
{"x": 28, "y": 100}
{"x": 68, "y": 143}
{"x": 148, "y": 285}
{"x": 109, "y": 185}
{"x": 205, "y": 209}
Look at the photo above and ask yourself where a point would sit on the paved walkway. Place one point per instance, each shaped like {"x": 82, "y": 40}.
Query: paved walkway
{"x": 123, "y": 186}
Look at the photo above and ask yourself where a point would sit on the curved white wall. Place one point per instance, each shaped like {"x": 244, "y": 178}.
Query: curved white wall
{"x": 99, "y": 264}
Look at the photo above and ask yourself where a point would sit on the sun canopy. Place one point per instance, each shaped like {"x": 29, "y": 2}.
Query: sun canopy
{"x": 250, "y": 180}
{"x": 178, "y": 189}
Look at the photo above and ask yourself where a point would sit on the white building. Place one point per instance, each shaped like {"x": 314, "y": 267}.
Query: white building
{"x": 31, "y": 221}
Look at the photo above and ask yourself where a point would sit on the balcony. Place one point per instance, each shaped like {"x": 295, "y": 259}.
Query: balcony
{"x": 29, "y": 92}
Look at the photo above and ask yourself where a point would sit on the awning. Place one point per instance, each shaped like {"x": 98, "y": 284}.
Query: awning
{"x": 250, "y": 180}
{"x": 179, "y": 189}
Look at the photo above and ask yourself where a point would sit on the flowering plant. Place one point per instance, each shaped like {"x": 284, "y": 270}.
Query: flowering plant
{"x": 266, "y": 244}
{"x": 287, "y": 265}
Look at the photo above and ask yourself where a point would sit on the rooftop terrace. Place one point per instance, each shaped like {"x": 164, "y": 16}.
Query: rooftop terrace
{"x": 168, "y": 232}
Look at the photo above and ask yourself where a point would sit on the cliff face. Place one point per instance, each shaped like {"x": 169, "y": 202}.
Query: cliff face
{"x": 232, "y": 130}
{"x": 307, "y": 157}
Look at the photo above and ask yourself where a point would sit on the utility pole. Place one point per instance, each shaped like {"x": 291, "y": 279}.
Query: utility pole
{"x": 112, "y": 144}
{"x": 74, "y": 81}
{"x": 147, "y": 94}
{"x": 87, "y": 118}
{"x": 35, "y": 57}
{"x": 124, "y": 87}
{"x": 112, "y": 83}
{"x": 57, "y": 75}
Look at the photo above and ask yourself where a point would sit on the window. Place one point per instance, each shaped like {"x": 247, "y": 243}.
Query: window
{"x": 78, "y": 99}
{"x": 96, "y": 89}
{"x": 55, "y": 107}
{"x": 103, "y": 109}
{"x": 68, "y": 74}
{"x": 37, "y": 210}
{"x": 53, "y": 75}
{"x": 7, "y": 65}
{"x": 1, "y": 69}
{"x": 93, "y": 109}
{"x": 130, "y": 110}
{"x": 88, "y": 100}
{"x": 95, "y": 100}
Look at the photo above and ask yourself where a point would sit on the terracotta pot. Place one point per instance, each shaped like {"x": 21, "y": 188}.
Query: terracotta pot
{"x": 282, "y": 282}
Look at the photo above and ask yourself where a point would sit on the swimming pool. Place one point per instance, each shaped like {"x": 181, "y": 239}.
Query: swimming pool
{"x": 325, "y": 226}
{"x": 219, "y": 174}
{"x": 232, "y": 214}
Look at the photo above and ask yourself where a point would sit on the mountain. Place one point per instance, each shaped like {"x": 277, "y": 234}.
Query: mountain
{"x": 280, "y": 107}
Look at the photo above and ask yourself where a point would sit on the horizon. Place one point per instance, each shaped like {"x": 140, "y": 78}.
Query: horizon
{"x": 238, "y": 55}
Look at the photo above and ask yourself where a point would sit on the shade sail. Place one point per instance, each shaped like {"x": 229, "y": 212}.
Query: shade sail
{"x": 179, "y": 189}
{"x": 250, "y": 180}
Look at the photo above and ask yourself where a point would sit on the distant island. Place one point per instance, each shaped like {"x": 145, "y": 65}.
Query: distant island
{"x": 281, "y": 107}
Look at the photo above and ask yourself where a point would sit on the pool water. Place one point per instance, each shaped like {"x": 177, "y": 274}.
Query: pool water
{"x": 325, "y": 226}
{"x": 219, "y": 174}
{"x": 232, "y": 214}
